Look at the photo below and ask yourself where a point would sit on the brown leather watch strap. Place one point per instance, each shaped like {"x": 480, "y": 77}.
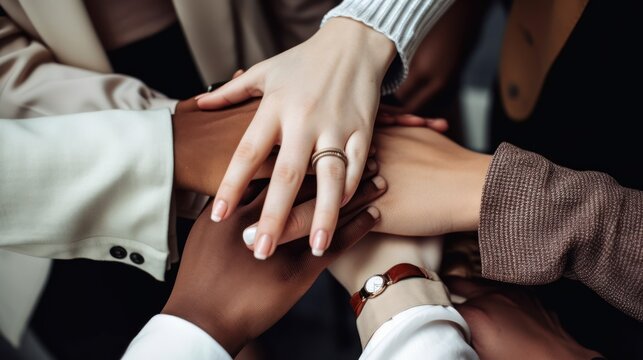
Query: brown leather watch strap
{"x": 393, "y": 275}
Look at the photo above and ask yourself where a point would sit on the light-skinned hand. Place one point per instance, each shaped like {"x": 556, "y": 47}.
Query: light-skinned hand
{"x": 323, "y": 93}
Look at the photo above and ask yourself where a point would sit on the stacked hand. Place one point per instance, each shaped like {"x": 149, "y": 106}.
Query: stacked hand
{"x": 204, "y": 142}
{"x": 321, "y": 94}
{"x": 435, "y": 185}
{"x": 232, "y": 296}
{"x": 511, "y": 324}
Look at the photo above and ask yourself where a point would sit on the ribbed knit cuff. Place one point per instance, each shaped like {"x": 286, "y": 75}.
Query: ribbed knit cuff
{"x": 405, "y": 22}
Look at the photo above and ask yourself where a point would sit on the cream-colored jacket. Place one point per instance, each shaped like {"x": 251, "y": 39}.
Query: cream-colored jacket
{"x": 76, "y": 181}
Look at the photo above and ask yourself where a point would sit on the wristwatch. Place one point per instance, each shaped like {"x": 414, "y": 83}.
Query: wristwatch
{"x": 376, "y": 284}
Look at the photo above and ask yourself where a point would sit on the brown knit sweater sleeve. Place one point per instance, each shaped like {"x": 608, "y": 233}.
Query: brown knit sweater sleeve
{"x": 540, "y": 221}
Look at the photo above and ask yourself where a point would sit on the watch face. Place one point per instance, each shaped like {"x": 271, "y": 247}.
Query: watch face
{"x": 375, "y": 285}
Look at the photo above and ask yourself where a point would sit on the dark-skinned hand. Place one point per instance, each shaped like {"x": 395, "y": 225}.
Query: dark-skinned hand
{"x": 232, "y": 296}
{"x": 508, "y": 323}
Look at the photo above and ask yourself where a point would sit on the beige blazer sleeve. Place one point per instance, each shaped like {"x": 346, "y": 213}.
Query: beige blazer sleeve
{"x": 78, "y": 185}
{"x": 33, "y": 84}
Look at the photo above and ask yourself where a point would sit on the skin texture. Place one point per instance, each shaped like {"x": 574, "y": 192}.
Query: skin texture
{"x": 508, "y": 323}
{"x": 215, "y": 262}
{"x": 435, "y": 185}
{"x": 305, "y": 116}
{"x": 204, "y": 142}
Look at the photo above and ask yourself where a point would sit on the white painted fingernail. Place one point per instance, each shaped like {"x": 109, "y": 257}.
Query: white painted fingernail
{"x": 379, "y": 182}
{"x": 218, "y": 210}
{"x": 249, "y": 235}
{"x": 375, "y": 212}
{"x": 320, "y": 242}
{"x": 263, "y": 247}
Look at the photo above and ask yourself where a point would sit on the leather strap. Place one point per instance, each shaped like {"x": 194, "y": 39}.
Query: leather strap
{"x": 395, "y": 274}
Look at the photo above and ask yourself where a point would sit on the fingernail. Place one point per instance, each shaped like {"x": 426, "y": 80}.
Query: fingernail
{"x": 263, "y": 247}
{"x": 371, "y": 165}
{"x": 379, "y": 182}
{"x": 249, "y": 235}
{"x": 199, "y": 96}
{"x": 371, "y": 151}
{"x": 320, "y": 242}
{"x": 375, "y": 213}
{"x": 218, "y": 210}
{"x": 344, "y": 200}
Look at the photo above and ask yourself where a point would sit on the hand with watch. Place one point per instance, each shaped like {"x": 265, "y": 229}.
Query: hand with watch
{"x": 377, "y": 284}
{"x": 231, "y": 296}
{"x": 387, "y": 275}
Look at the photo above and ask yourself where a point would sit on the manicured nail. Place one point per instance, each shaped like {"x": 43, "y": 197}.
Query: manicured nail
{"x": 218, "y": 210}
{"x": 263, "y": 247}
{"x": 320, "y": 242}
{"x": 371, "y": 165}
{"x": 249, "y": 235}
{"x": 379, "y": 182}
{"x": 375, "y": 213}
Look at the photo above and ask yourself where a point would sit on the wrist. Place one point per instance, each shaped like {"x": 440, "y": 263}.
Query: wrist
{"x": 210, "y": 321}
{"x": 397, "y": 298}
{"x": 375, "y": 254}
{"x": 470, "y": 211}
{"x": 363, "y": 41}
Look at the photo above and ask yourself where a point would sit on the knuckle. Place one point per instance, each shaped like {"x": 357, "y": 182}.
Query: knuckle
{"x": 247, "y": 152}
{"x": 307, "y": 107}
{"x": 270, "y": 222}
{"x": 358, "y": 153}
{"x": 327, "y": 215}
{"x": 226, "y": 189}
{"x": 297, "y": 222}
{"x": 287, "y": 174}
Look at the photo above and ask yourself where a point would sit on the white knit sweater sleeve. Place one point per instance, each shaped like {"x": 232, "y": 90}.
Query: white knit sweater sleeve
{"x": 405, "y": 22}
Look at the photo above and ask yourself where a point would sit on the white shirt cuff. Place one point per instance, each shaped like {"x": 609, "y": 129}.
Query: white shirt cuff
{"x": 422, "y": 332}
{"x": 170, "y": 337}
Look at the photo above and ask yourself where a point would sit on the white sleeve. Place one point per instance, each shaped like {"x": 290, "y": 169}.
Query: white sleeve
{"x": 93, "y": 185}
{"x": 405, "y": 22}
{"x": 422, "y": 332}
{"x": 167, "y": 337}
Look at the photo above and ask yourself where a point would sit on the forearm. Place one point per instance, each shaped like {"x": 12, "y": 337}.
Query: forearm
{"x": 375, "y": 255}
{"x": 403, "y": 22}
{"x": 540, "y": 221}
{"x": 78, "y": 185}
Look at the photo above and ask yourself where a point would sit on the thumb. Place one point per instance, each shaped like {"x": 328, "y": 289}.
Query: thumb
{"x": 350, "y": 233}
{"x": 243, "y": 87}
